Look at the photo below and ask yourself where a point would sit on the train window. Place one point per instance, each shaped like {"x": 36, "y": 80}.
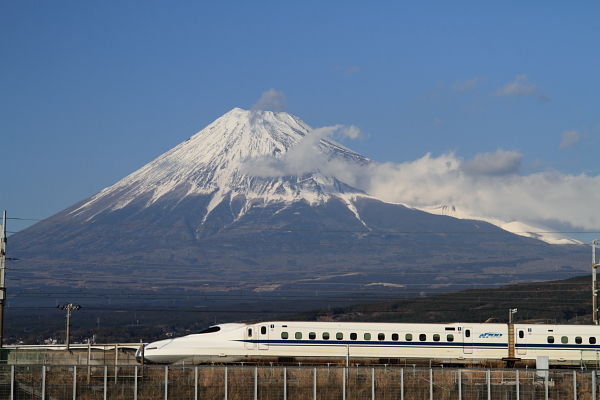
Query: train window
{"x": 326, "y": 335}
{"x": 312, "y": 335}
{"x": 550, "y": 339}
{"x": 467, "y": 333}
{"x": 450, "y": 328}
{"x": 249, "y": 332}
{"x": 353, "y": 336}
{"x": 422, "y": 337}
{"x": 381, "y": 336}
{"x": 284, "y": 335}
{"x": 436, "y": 337}
{"x": 263, "y": 330}
{"x": 395, "y": 337}
{"x": 564, "y": 339}
{"x": 592, "y": 340}
{"x": 298, "y": 335}
{"x": 367, "y": 336}
{"x": 339, "y": 336}
{"x": 408, "y": 337}
{"x": 450, "y": 337}
{"x": 521, "y": 334}
{"x": 578, "y": 340}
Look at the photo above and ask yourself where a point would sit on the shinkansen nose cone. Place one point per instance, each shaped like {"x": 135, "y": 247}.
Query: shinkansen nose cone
{"x": 162, "y": 352}
{"x": 207, "y": 343}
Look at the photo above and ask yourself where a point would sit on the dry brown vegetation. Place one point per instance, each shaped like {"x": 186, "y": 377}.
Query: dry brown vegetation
{"x": 294, "y": 382}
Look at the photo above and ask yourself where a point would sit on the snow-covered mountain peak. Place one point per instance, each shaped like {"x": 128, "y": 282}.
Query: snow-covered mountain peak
{"x": 217, "y": 161}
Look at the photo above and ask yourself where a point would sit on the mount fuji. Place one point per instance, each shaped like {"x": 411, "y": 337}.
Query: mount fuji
{"x": 245, "y": 204}
{"x": 214, "y": 168}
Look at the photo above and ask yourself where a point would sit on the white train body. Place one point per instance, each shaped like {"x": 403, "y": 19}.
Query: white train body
{"x": 381, "y": 343}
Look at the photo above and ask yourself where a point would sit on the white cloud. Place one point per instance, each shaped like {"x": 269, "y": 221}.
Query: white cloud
{"x": 352, "y": 70}
{"x": 570, "y": 139}
{"x": 542, "y": 197}
{"x": 488, "y": 185}
{"x": 493, "y": 164}
{"x": 463, "y": 86}
{"x": 347, "y": 70}
{"x": 305, "y": 156}
{"x": 271, "y": 100}
{"x": 520, "y": 87}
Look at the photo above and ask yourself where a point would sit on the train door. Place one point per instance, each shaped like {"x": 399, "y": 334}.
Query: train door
{"x": 521, "y": 342}
{"x": 263, "y": 337}
{"x": 250, "y": 339}
{"x": 468, "y": 340}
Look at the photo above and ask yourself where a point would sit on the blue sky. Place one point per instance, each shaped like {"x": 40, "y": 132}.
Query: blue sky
{"x": 91, "y": 91}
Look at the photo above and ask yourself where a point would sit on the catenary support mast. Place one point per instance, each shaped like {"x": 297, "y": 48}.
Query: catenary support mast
{"x": 2, "y": 274}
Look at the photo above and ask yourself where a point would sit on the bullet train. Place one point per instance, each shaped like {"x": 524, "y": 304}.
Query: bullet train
{"x": 350, "y": 343}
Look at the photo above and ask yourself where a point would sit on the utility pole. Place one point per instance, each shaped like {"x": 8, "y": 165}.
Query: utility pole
{"x": 510, "y": 315}
{"x": 69, "y": 307}
{"x": 595, "y": 264}
{"x": 2, "y": 273}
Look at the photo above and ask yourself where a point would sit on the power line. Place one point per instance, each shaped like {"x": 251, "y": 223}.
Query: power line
{"x": 201, "y": 268}
{"x": 268, "y": 311}
{"x": 184, "y": 282}
{"x": 294, "y": 243}
{"x": 290, "y": 230}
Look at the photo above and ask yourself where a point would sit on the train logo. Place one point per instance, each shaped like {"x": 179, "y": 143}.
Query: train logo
{"x": 490, "y": 335}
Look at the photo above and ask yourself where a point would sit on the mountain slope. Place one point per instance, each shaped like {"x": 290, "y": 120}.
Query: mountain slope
{"x": 228, "y": 210}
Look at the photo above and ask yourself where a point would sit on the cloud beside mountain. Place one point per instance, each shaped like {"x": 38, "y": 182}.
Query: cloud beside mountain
{"x": 489, "y": 185}
{"x": 271, "y": 100}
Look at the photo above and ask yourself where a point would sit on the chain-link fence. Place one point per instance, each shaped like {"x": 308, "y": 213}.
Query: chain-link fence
{"x": 220, "y": 382}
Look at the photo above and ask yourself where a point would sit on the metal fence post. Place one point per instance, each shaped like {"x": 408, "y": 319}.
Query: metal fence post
{"x": 489, "y": 384}
{"x": 225, "y": 383}
{"x": 315, "y": 384}
{"x": 166, "y": 381}
{"x": 74, "y": 382}
{"x": 196, "y": 382}
{"x": 344, "y": 383}
{"x": 401, "y": 383}
{"x": 574, "y": 385}
{"x": 518, "y": 385}
{"x": 135, "y": 382}
{"x": 284, "y": 383}
{"x": 430, "y": 383}
{"x": 105, "y": 382}
{"x": 255, "y": 383}
{"x": 593, "y": 384}
{"x": 373, "y": 383}
{"x": 12, "y": 382}
{"x": 459, "y": 384}
{"x": 546, "y": 383}
{"x": 44, "y": 381}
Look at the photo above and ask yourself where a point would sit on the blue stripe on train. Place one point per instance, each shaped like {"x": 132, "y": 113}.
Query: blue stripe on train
{"x": 356, "y": 343}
